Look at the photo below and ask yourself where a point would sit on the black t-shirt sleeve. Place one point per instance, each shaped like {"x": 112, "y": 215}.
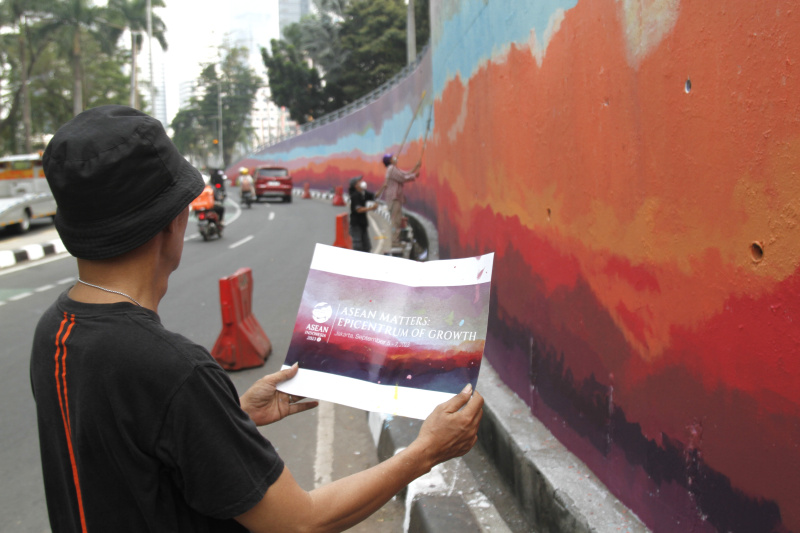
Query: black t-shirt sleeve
{"x": 218, "y": 459}
{"x": 356, "y": 200}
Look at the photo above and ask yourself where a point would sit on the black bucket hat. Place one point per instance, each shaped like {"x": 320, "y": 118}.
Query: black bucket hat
{"x": 117, "y": 179}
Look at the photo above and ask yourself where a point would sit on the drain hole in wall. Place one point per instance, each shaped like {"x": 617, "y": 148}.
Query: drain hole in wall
{"x": 688, "y": 86}
{"x": 756, "y": 252}
{"x": 548, "y": 214}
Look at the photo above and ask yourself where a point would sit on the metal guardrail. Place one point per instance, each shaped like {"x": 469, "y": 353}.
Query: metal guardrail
{"x": 352, "y": 107}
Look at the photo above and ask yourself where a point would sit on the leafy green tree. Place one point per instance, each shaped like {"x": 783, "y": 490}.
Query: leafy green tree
{"x": 293, "y": 83}
{"x": 36, "y": 97}
{"x": 374, "y": 33}
{"x": 233, "y": 83}
{"x": 353, "y": 46}
{"x": 51, "y": 99}
{"x": 20, "y": 47}
{"x": 71, "y": 23}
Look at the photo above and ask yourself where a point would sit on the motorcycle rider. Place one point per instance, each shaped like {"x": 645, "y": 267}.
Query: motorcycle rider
{"x": 207, "y": 201}
{"x": 246, "y": 183}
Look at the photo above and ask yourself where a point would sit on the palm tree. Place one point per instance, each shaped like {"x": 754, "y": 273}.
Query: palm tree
{"x": 29, "y": 44}
{"x": 132, "y": 15}
{"x": 72, "y": 21}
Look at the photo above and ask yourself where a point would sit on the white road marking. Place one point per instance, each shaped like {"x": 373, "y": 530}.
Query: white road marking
{"x": 323, "y": 463}
{"x": 66, "y": 280}
{"x": 20, "y": 296}
{"x": 241, "y": 242}
{"x": 272, "y": 215}
{"x": 44, "y": 288}
{"x": 25, "y": 265}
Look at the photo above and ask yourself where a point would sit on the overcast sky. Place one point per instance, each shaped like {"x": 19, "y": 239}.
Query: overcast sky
{"x": 196, "y": 28}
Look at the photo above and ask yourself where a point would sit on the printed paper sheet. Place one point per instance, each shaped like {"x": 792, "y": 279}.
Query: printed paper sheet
{"x": 387, "y": 334}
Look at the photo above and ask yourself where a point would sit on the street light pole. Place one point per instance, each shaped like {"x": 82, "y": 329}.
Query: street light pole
{"x": 150, "y": 53}
{"x": 219, "y": 121}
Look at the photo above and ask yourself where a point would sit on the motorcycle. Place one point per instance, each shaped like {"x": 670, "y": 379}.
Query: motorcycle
{"x": 208, "y": 224}
{"x": 247, "y": 198}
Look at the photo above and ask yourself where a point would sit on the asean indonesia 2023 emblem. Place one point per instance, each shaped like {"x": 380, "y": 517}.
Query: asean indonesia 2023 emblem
{"x": 321, "y": 312}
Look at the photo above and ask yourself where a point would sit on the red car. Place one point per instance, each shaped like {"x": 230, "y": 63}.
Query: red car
{"x": 273, "y": 181}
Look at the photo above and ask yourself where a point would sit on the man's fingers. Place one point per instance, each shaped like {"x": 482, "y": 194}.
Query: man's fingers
{"x": 300, "y": 407}
{"x": 457, "y": 402}
{"x": 475, "y": 405}
{"x": 283, "y": 375}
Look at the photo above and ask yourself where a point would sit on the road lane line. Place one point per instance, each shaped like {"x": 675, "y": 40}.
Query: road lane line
{"x": 323, "y": 463}
{"x": 239, "y": 243}
{"x": 44, "y": 288}
{"x": 25, "y": 265}
{"x": 66, "y": 280}
{"x": 272, "y": 215}
{"x": 20, "y": 296}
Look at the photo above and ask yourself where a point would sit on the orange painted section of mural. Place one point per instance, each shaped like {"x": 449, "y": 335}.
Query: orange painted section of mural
{"x": 635, "y": 169}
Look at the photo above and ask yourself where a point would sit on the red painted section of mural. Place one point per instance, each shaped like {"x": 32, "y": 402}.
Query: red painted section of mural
{"x": 643, "y": 200}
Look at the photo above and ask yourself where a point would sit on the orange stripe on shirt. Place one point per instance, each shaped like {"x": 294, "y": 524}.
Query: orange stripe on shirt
{"x": 61, "y": 347}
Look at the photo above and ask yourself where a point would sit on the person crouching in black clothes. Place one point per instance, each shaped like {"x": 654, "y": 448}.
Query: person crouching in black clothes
{"x": 359, "y": 196}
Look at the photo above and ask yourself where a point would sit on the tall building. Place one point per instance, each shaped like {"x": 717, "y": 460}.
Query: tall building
{"x": 290, "y": 11}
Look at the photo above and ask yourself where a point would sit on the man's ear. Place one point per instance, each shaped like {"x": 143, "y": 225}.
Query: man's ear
{"x": 173, "y": 225}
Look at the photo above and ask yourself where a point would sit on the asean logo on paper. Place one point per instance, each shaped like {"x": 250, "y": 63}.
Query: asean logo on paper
{"x": 321, "y": 312}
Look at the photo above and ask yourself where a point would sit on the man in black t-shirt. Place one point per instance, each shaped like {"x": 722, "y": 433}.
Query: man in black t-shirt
{"x": 359, "y": 207}
{"x": 139, "y": 428}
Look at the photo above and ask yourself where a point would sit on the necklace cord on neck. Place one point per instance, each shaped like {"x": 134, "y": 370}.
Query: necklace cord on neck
{"x": 109, "y": 290}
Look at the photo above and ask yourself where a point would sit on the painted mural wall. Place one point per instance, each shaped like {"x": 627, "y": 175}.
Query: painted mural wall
{"x": 635, "y": 166}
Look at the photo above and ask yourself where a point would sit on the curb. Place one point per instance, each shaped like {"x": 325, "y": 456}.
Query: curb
{"x": 555, "y": 490}
{"x": 31, "y": 252}
{"x": 445, "y": 500}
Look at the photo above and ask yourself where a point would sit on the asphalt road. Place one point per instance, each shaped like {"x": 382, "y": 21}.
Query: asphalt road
{"x": 276, "y": 241}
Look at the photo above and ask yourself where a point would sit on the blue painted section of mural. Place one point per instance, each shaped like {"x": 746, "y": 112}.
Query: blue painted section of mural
{"x": 480, "y": 30}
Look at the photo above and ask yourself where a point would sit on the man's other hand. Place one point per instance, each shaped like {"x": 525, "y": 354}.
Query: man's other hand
{"x": 266, "y": 404}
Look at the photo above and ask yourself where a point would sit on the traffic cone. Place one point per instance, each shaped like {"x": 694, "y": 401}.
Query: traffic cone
{"x": 338, "y": 197}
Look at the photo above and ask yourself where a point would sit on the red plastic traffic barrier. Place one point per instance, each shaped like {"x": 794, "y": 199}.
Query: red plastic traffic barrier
{"x": 343, "y": 239}
{"x": 338, "y": 196}
{"x": 306, "y": 191}
{"x": 242, "y": 343}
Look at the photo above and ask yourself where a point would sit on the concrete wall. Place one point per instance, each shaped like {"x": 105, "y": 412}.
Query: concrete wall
{"x": 634, "y": 166}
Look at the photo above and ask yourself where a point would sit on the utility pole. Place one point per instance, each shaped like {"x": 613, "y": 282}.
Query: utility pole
{"x": 150, "y": 53}
{"x": 219, "y": 121}
{"x": 411, "y": 30}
